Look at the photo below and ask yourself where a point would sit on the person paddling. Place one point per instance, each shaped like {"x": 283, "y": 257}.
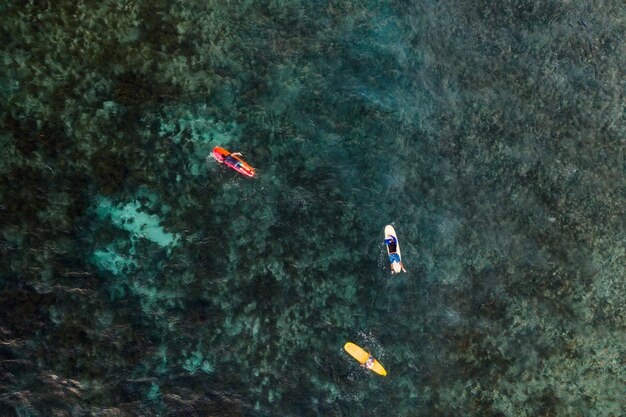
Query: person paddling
{"x": 392, "y": 247}
{"x": 232, "y": 160}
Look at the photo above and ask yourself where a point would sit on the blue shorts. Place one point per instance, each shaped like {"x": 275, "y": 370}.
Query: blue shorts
{"x": 394, "y": 257}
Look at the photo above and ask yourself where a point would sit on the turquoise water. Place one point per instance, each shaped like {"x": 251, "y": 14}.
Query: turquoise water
{"x": 141, "y": 278}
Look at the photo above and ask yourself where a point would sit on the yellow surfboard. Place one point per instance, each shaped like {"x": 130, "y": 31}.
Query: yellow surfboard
{"x": 362, "y": 356}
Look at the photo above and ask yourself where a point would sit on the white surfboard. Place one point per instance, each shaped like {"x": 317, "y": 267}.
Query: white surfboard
{"x": 396, "y": 265}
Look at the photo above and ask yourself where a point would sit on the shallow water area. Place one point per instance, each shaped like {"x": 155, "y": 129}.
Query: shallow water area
{"x": 140, "y": 277}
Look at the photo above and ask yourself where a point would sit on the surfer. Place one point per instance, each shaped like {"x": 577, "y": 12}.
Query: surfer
{"x": 229, "y": 157}
{"x": 392, "y": 242}
{"x": 366, "y": 360}
{"x": 392, "y": 247}
{"x": 232, "y": 160}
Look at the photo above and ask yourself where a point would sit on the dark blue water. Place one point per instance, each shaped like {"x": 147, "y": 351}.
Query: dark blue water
{"x": 139, "y": 277}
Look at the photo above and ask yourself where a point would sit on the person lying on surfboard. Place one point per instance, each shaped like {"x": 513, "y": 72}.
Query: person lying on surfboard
{"x": 369, "y": 363}
{"x": 230, "y": 157}
{"x": 392, "y": 244}
{"x": 366, "y": 360}
{"x": 232, "y": 160}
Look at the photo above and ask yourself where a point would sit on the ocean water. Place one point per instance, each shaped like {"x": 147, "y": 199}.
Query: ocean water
{"x": 139, "y": 278}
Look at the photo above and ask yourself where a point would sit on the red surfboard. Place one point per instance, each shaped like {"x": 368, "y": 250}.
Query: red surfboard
{"x": 222, "y": 156}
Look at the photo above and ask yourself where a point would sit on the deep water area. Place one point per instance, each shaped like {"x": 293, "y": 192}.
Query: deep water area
{"x": 139, "y": 277}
